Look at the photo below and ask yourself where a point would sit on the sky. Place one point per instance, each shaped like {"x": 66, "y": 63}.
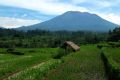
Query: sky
{"x": 16, "y": 13}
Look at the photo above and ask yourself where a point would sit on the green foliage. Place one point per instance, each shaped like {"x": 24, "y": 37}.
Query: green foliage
{"x": 111, "y": 59}
{"x": 10, "y": 63}
{"x": 37, "y": 72}
{"x": 13, "y": 51}
{"x": 99, "y": 46}
{"x": 114, "y": 44}
{"x": 85, "y": 64}
{"x": 37, "y": 64}
{"x": 61, "y": 53}
{"x": 114, "y": 35}
{"x": 40, "y": 38}
{"x": 9, "y": 50}
{"x": 17, "y": 53}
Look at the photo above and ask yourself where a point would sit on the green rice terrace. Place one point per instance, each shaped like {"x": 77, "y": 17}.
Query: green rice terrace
{"x": 91, "y": 62}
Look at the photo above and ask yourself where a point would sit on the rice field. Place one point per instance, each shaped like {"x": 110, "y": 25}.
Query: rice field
{"x": 83, "y": 65}
{"x": 111, "y": 57}
{"x": 36, "y": 72}
{"x": 113, "y": 53}
{"x": 39, "y": 64}
{"x": 11, "y": 64}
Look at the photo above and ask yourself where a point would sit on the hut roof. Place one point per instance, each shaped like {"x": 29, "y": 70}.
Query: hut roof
{"x": 72, "y": 45}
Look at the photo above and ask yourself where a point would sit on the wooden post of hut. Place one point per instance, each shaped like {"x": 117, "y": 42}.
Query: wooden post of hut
{"x": 70, "y": 45}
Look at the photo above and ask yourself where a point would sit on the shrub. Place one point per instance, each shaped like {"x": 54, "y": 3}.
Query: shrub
{"x": 114, "y": 44}
{"x": 61, "y": 53}
{"x": 13, "y": 51}
{"x": 31, "y": 51}
{"x": 99, "y": 46}
{"x": 9, "y": 50}
{"x": 17, "y": 53}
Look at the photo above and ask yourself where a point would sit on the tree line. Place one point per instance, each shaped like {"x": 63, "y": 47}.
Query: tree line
{"x": 114, "y": 35}
{"x": 42, "y": 38}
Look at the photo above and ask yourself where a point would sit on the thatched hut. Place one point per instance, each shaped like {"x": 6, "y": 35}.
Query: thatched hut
{"x": 71, "y": 46}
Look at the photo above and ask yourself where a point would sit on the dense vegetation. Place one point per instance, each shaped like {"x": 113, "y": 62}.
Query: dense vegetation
{"x": 41, "y": 38}
{"x": 114, "y": 35}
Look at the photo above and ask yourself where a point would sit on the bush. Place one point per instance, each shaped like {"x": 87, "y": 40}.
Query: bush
{"x": 17, "y": 53}
{"x": 114, "y": 44}
{"x": 9, "y": 50}
{"x": 61, "y": 53}
{"x": 31, "y": 51}
{"x": 99, "y": 46}
{"x": 13, "y": 51}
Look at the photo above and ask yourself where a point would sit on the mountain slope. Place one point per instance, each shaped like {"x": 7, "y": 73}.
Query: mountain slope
{"x": 73, "y": 21}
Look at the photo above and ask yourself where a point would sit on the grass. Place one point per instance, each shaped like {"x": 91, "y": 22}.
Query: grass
{"x": 37, "y": 72}
{"x": 38, "y": 64}
{"x": 113, "y": 53}
{"x": 83, "y": 65}
{"x": 10, "y": 64}
{"x": 111, "y": 57}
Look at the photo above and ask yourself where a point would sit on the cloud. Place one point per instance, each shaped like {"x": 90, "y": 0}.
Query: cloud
{"x": 111, "y": 17}
{"x": 77, "y": 1}
{"x": 49, "y": 7}
{"x": 13, "y": 22}
{"x": 57, "y": 7}
{"x": 103, "y": 4}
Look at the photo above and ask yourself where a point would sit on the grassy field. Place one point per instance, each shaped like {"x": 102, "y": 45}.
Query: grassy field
{"x": 113, "y": 53}
{"x": 38, "y": 64}
{"x": 83, "y": 65}
{"x": 11, "y": 64}
{"x": 111, "y": 57}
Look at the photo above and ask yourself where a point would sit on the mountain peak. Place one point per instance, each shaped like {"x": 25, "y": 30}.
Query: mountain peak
{"x": 74, "y": 21}
{"x": 78, "y": 13}
{"x": 72, "y": 12}
{"x": 75, "y": 12}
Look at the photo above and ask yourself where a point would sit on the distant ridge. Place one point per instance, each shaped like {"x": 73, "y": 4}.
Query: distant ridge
{"x": 74, "y": 21}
